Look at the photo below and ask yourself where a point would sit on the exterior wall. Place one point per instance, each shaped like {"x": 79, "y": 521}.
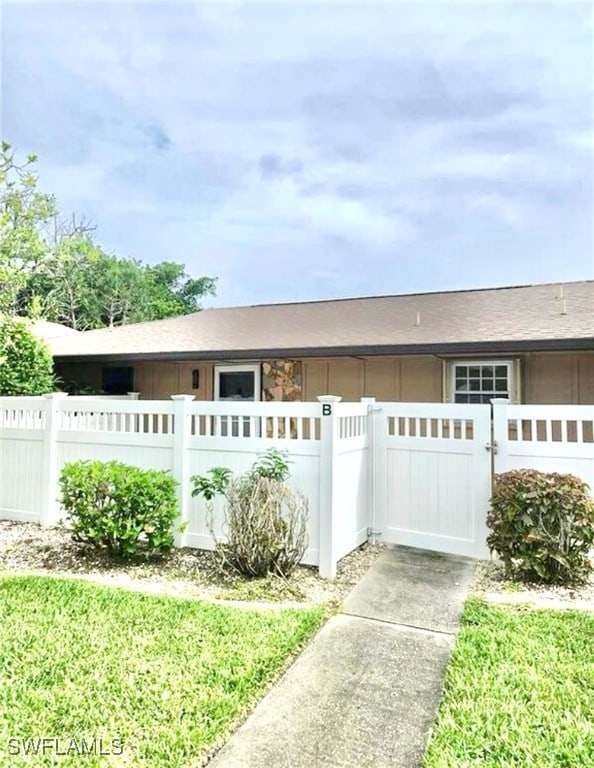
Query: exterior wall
{"x": 160, "y": 380}
{"x": 559, "y": 378}
{"x": 408, "y": 379}
{"x": 544, "y": 378}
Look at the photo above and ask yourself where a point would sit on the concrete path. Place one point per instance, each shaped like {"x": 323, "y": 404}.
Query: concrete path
{"x": 365, "y": 692}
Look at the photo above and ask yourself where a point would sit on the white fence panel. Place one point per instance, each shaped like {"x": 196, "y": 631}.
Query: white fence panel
{"x": 144, "y": 451}
{"x": 436, "y": 482}
{"x": 549, "y": 438}
{"x": 352, "y": 471}
{"x": 233, "y": 435}
{"x": 21, "y": 468}
{"x": 22, "y": 423}
{"x": 134, "y": 432}
{"x": 22, "y": 412}
{"x": 209, "y": 453}
{"x": 152, "y": 417}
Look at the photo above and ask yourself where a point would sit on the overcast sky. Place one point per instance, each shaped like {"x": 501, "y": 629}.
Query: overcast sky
{"x": 302, "y": 150}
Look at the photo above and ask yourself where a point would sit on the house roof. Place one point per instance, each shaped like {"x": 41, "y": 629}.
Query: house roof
{"x": 496, "y": 319}
{"x": 45, "y": 330}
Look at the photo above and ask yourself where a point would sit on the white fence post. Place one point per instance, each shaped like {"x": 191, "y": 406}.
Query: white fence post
{"x": 181, "y": 465}
{"x": 373, "y": 531}
{"x": 50, "y": 507}
{"x": 500, "y": 435}
{"x": 328, "y": 505}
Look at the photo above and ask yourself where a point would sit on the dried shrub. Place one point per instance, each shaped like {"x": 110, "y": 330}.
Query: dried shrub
{"x": 265, "y": 526}
{"x": 265, "y": 523}
{"x": 542, "y": 525}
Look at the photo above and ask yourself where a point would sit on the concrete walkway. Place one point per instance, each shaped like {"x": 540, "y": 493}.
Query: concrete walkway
{"x": 365, "y": 692}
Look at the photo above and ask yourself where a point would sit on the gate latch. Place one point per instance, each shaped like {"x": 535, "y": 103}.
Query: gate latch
{"x": 491, "y": 446}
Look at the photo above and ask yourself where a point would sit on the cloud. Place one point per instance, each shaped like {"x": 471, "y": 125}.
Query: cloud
{"x": 302, "y": 149}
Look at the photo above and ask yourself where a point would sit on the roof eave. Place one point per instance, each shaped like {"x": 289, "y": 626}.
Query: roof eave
{"x": 368, "y": 350}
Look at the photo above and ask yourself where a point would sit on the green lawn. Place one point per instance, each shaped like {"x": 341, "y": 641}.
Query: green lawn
{"x": 519, "y": 691}
{"x": 166, "y": 676}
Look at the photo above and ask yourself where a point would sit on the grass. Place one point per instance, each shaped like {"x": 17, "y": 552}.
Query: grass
{"x": 167, "y": 676}
{"x": 519, "y": 691}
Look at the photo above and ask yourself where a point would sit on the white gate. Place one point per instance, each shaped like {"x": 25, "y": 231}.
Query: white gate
{"x": 432, "y": 475}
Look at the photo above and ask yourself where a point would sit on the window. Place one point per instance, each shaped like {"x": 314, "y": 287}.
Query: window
{"x": 237, "y": 382}
{"x": 118, "y": 381}
{"x": 479, "y": 382}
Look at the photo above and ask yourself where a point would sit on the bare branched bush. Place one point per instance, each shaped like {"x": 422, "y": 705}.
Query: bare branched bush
{"x": 265, "y": 527}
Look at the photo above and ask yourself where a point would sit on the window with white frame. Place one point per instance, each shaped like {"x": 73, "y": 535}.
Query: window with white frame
{"x": 480, "y": 381}
{"x": 237, "y": 382}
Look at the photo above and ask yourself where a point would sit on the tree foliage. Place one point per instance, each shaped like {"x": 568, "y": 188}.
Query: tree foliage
{"x": 23, "y": 210}
{"x": 25, "y": 362}
{"x": 53, "y": 267}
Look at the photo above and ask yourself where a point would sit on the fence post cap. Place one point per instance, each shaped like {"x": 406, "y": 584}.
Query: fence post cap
{"x": 183, "y": 397}
{"x": 368, "y": 400}
{"x": 329, "y": 398}
{"x": 55, "y": 395}
{"x": 500, "y": 400}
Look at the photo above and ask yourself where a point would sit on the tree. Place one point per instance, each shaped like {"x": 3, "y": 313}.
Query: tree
{"x": 23, "y": 210}
{"x": 25, "y": 362}
{"x": 52, "y": 266}
{"x": 172, "y": 292}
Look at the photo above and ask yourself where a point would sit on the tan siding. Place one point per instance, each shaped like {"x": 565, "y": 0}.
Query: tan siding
{"x": 586, "y": 379}
{"x": 382, "y": 379}
{"x": 315, "y": 378}
{"x": 158, "y": 381}
{"x": 374, "y": 377}
{"x": 143, "y": 380}
{"x": 559, "y": 378}
{"x": 204, "y": 391}
{"x": 550, "y": 379}
{"x": 345, "y": 378}
{"x": 420, "y": 379}
{"x": 165, "y": 380}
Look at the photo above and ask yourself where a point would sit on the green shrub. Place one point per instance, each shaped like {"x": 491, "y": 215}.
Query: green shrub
{"x": 120, "y": 507}
{"x": 542, "y": 525}
{"x": 265, "y": 520}
{"x": 273, "y": 464}
{"x": 25, "y": 362}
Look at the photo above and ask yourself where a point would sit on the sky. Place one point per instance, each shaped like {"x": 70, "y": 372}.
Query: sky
{"x": 304, "y": 150}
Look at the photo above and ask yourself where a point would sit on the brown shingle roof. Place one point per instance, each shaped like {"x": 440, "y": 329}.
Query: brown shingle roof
{"x": 46, "y": 330}
{"x": 524, "y": 314}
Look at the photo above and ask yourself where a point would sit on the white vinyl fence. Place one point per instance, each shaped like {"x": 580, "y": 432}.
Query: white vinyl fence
{"x": 415, "y": 473}
{"x": 551, "y": 438}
